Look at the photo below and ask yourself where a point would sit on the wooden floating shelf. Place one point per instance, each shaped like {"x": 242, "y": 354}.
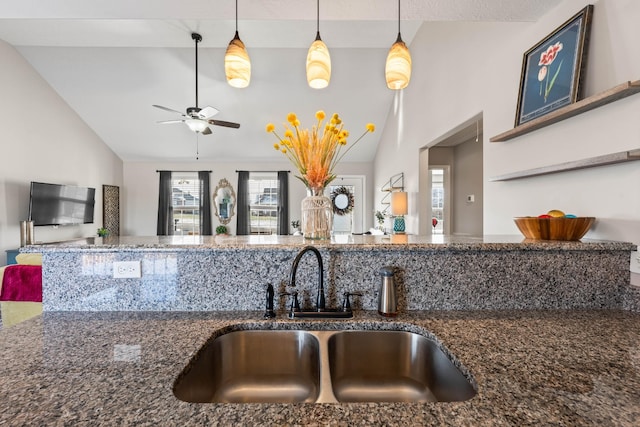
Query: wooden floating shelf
{"x": 619, "y": 92}
{"x": 608, "y": 159}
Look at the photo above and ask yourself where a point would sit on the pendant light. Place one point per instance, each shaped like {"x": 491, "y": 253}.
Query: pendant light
{"x": 398, "y": 68}
{"x": 237, "y": 66}
{"x": 318, "y": 59}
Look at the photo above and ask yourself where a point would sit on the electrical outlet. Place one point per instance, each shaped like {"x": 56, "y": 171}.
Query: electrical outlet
{"x": 635, "y": 262}
{"x": 126, "y": 270}
{"x": 471, "y": 198}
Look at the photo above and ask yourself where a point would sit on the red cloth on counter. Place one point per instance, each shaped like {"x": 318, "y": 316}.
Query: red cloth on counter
{"x": 22, "y": 283}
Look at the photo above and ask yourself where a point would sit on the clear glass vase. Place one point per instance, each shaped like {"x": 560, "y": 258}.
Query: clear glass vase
{"x": 317, "y": 214}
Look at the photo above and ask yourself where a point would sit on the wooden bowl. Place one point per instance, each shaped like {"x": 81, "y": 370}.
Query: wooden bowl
{"x": 554, "y": 228}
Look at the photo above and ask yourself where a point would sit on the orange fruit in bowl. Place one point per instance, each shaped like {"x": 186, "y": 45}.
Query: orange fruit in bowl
{"x": 555, "y": 213}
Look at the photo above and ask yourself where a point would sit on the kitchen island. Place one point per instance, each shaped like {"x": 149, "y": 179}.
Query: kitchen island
{"x": 538, "y": 327}
{"x": 195, "y": 273}
{"x": 550, "y": 367}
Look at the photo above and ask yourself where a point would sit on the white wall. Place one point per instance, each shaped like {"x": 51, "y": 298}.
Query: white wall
{"x": 140, "y": 197}
{"x": 43, "y": 139}
{"x": 461, "y": 69}
{"x": 467, "y": 180}
{"x": 448, "y": 87}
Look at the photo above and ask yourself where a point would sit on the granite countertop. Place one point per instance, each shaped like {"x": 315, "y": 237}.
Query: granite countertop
{"x": 531, "y": 367}
{"x": 338, "y": 242}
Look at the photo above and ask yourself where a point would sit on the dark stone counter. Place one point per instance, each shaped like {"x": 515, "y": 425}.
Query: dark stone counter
{"x": 531, "y": 367}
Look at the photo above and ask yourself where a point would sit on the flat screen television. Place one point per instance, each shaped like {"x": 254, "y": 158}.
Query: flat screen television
{"x": 54, "y": 204}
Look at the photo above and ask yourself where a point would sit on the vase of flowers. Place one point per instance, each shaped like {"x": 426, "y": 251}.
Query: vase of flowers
{"x": 315, "y": 154}
{"x": 317, "y": 214}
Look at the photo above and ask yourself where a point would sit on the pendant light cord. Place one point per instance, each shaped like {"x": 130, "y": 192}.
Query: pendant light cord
{"x": 236, "y": 16}
{"x": 399, "y": 39}
{"x": 317, "y": 19}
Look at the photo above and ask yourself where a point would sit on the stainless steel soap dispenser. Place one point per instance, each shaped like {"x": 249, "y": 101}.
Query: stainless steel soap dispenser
{"x": 387, "y": 300}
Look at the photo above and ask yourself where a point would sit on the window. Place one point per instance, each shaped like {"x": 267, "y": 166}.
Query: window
{"x": 263, "y": 203}
{"x": 185, "y": 203}
{"x": 437, "y": 200}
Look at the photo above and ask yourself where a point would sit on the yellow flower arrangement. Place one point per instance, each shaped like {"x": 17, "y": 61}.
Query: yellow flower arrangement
{"x": 315, "y": 155}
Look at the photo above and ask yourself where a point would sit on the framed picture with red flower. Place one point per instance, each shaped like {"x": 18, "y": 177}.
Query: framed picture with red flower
{"x": 553, "y": 69}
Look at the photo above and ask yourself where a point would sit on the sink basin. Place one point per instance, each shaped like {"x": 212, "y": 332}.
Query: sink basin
{"x": 253, "y": 366}
{"x": 393, "y": 366}
{"x": 295, "y": 366}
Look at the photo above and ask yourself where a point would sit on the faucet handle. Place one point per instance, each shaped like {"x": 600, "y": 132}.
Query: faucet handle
{"x": 295, "y": 306}
{"x": 346, "y": 304}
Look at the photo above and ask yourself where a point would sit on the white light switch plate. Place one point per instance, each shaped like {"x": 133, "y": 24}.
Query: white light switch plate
{"x": 126, "y": 270}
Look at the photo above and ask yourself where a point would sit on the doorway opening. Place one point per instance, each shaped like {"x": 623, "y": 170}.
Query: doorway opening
{"x": 349, "y": 221}
{"x": 451, "y": 182}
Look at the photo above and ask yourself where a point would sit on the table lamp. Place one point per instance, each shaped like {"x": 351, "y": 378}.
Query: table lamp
{"x": 399, "y": 208}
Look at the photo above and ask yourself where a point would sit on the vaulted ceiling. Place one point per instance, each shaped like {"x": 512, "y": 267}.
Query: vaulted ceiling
{"x": 110, "y": 61}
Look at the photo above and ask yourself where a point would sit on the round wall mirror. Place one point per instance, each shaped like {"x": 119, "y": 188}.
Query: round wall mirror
{"x": 224, "y": 201}
{"x": 342, "y": 200}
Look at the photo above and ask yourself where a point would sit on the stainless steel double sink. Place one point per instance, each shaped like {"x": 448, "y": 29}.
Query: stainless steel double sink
{"x": 294, "y": 366}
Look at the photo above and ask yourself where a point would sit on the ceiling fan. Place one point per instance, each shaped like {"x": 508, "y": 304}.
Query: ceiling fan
{"x": 198, "y": 119}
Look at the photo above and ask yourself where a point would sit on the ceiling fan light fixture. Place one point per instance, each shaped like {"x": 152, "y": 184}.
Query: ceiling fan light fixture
{"x": 318, "y": 59}
{"x": 237, "y": 65}
{"x": 198, "y": 119}
{"x": 398, "y": 67}
{"x": 196, "y": 125}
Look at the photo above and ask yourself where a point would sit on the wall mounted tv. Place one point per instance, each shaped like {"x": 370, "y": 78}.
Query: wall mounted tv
{"x": 54, "y": 204}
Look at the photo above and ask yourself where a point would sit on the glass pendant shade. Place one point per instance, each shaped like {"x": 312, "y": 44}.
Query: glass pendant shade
{"x": 318, "y": 64}
{"x": 237, "y": 65}
{"x": 398, "y": 68}
{"x": 196, "y": 125}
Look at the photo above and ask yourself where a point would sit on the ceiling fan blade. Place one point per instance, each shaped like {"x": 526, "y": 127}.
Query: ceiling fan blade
{"x": 225, "y": 124}
{"x": 166, "y": 122}
{"x": 207, "y": 112}
{"x": 167, "y": 109}
{"x": 207, "y": 131}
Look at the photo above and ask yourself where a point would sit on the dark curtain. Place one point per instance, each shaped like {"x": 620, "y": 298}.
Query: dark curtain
{"x": 165, "y": 213}
{"x": 205, "y": 204}
{"x": 283, "y": 202}
{"x": 242, "y": 227}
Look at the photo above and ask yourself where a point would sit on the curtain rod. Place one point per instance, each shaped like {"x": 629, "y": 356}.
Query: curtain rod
{"x": 180, "y": 171}
{"x": 263, "y": 171}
